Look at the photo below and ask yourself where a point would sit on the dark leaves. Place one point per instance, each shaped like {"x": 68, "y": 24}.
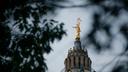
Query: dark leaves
{"x": 35, "y": 43}
{"x": 121, "y": 67}
{"x": 5, "y": 37}
{"x": 99, "y": 27}
{"x": 124, "y": 30}
{"x": 29, "y": 38}
{"x": 96, "y": 1}
{"x": 108, "y": 17}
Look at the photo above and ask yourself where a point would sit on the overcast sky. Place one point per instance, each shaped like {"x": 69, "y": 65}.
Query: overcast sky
{"x": 55, "y": 60}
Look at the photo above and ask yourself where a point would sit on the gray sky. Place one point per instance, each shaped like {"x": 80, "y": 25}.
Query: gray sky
{"x": 55, "y": 60}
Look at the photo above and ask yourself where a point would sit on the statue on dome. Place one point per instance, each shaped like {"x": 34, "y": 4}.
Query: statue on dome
{"x": 77, "y": 27}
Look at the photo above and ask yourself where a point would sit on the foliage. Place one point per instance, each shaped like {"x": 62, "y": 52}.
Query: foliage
{"x": 104, "y": 20}
{"x": 25, "y": 36}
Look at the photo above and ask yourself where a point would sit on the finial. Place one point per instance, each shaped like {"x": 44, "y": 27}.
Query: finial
{"x": 77, "y": 27}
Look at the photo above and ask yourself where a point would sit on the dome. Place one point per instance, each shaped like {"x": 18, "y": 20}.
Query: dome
{"x": 77, "y": 59}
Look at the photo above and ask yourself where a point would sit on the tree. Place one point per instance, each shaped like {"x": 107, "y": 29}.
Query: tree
{"x": 25, "y": 35}
{"x": 108, "y": 13}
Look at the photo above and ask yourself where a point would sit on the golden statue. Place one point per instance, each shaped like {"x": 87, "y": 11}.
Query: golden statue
{"x": 77, "y": 27}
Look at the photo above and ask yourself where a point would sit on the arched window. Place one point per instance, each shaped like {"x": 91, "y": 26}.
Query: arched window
{"x": 74, "y": 61}
{"x": 79, "y": 62}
